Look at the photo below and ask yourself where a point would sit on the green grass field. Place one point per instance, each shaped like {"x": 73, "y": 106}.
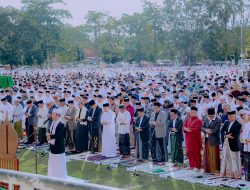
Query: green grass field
{"x": 119, "y": 177}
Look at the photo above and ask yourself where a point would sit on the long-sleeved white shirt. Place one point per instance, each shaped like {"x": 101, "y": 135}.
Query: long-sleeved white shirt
{"x": 43, "y": 112}
{"x": 123, "y": 117}
{"x": 6, "y": 109}
{"x": 246, "y": 135}
{"x": 18, "y": 113}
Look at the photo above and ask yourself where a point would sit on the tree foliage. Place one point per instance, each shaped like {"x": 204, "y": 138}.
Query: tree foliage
{"x": 182, "y": 31}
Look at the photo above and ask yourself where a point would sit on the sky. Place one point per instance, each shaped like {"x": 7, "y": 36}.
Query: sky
{"x": 79, "y": 8}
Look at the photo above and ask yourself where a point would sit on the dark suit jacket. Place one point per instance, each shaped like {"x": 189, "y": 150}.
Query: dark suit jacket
{"x": 215, "y": 125}
{"x": 59, "y": 146}
{"x": 178, "y": 126}
{"x": 32, "y": 119}
{"x": 144, "y": 126}
{"x": 96, "y": 123}
{"x": 235, "y": 131}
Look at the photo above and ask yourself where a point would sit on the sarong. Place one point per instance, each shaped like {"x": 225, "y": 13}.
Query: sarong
{"x": 176, "y": 150}
{"x": 18, "y": 128}
{"x": 124, "y": 144}
{"x": 211, "y": 158}
{"x": 230, "y": 162}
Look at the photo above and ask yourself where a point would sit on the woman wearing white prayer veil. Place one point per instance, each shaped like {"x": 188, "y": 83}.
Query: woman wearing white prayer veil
{"x": 57, "y": 158}
{"x": 108, "y": 135}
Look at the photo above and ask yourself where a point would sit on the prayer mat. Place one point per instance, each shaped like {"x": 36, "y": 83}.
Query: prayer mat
{"x": 82, "y": 156}
{"x": 109, "y": 161}
{"x": 96, "y": 158}
{"x": 151, "y": 168}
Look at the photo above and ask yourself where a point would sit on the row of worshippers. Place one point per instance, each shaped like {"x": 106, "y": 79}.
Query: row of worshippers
{"x": 220, "y": 92}
{"x": 150, "y": 131}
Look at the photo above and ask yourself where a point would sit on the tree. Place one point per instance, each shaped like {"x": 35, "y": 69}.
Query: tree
{"x": 154, "y": 15}
{"x": 9, "y": 49}
{"x": 48, "y": 24}
{"x": 94, "y": 24}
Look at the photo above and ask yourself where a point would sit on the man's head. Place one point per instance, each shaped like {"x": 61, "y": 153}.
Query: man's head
{"x": 193, "y": 102}
{"x": 71, "y": 103}
{"x": 56, "y": 114}
{"x": 62, "y": 102}
{"x": 16, "y": 102}
{"x": 80, "y": 104}
{"x": 193, "y": 112}
{"x": 222, "y": 99}
{"x": 50, "y": 103}
{"x": 4, "y": 101}
{"x": 106, "y": 107}
{"x": 100, "y": 98}
{"x": 140, "y": 112}
{"x": 211, "y": 113}
{"x": 242, "y": 114}
{"x": 122, "y": 108}
{"x": 232, "y": 116}
{"x": 226, "y": 108}
{"x": 40, "y": 104}
{"x": 206, "y": 99}
{"x": 126, "y": 102}
{"x": 173, "y": 114}
{"x": 157, "y": 107}
{"x": 29, "y": 103}
{"x": 111, "y": 100}
{"x": 92, "y": 104}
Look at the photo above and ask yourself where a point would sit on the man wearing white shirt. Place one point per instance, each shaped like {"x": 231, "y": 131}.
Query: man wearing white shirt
{"x": 63, "y": 109}
{"x": 6, "y": 109}
{"x": 42, "y": 121}
{"x": 17, "y": 118}
{"x": 108, "y": 134}
{"x": 123, "y": 121}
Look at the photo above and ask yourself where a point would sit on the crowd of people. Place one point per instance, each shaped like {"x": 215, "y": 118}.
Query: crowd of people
{"x": 164, "y": 115}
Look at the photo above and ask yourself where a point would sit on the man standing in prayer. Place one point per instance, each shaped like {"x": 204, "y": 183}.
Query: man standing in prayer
{"x": 31, "y": 121}
{"x": 94, "y": 123}
{"x": 17, "y": 118}
{"x": 82, "y": 133}
{"x": 176, "y": 138}
{"x": 192, "y": 130}
{"x": 158, "y": 122}
{"x": 6, "y": 110}
{"x": 231, "y": 162}
{"x": 50, "y": 105}
{"x": 211, "y": 127}
{"x": 131, "y": 110}
{"x": 71, "y": 124}
{"x": 123, "y": 120}
{"x": 108, "y": 134}
{"x": 57, "y": 159}
{"x": 42, "y": 122}
{"x": 142, "y": 127}
{"x": 63, "y": 108}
